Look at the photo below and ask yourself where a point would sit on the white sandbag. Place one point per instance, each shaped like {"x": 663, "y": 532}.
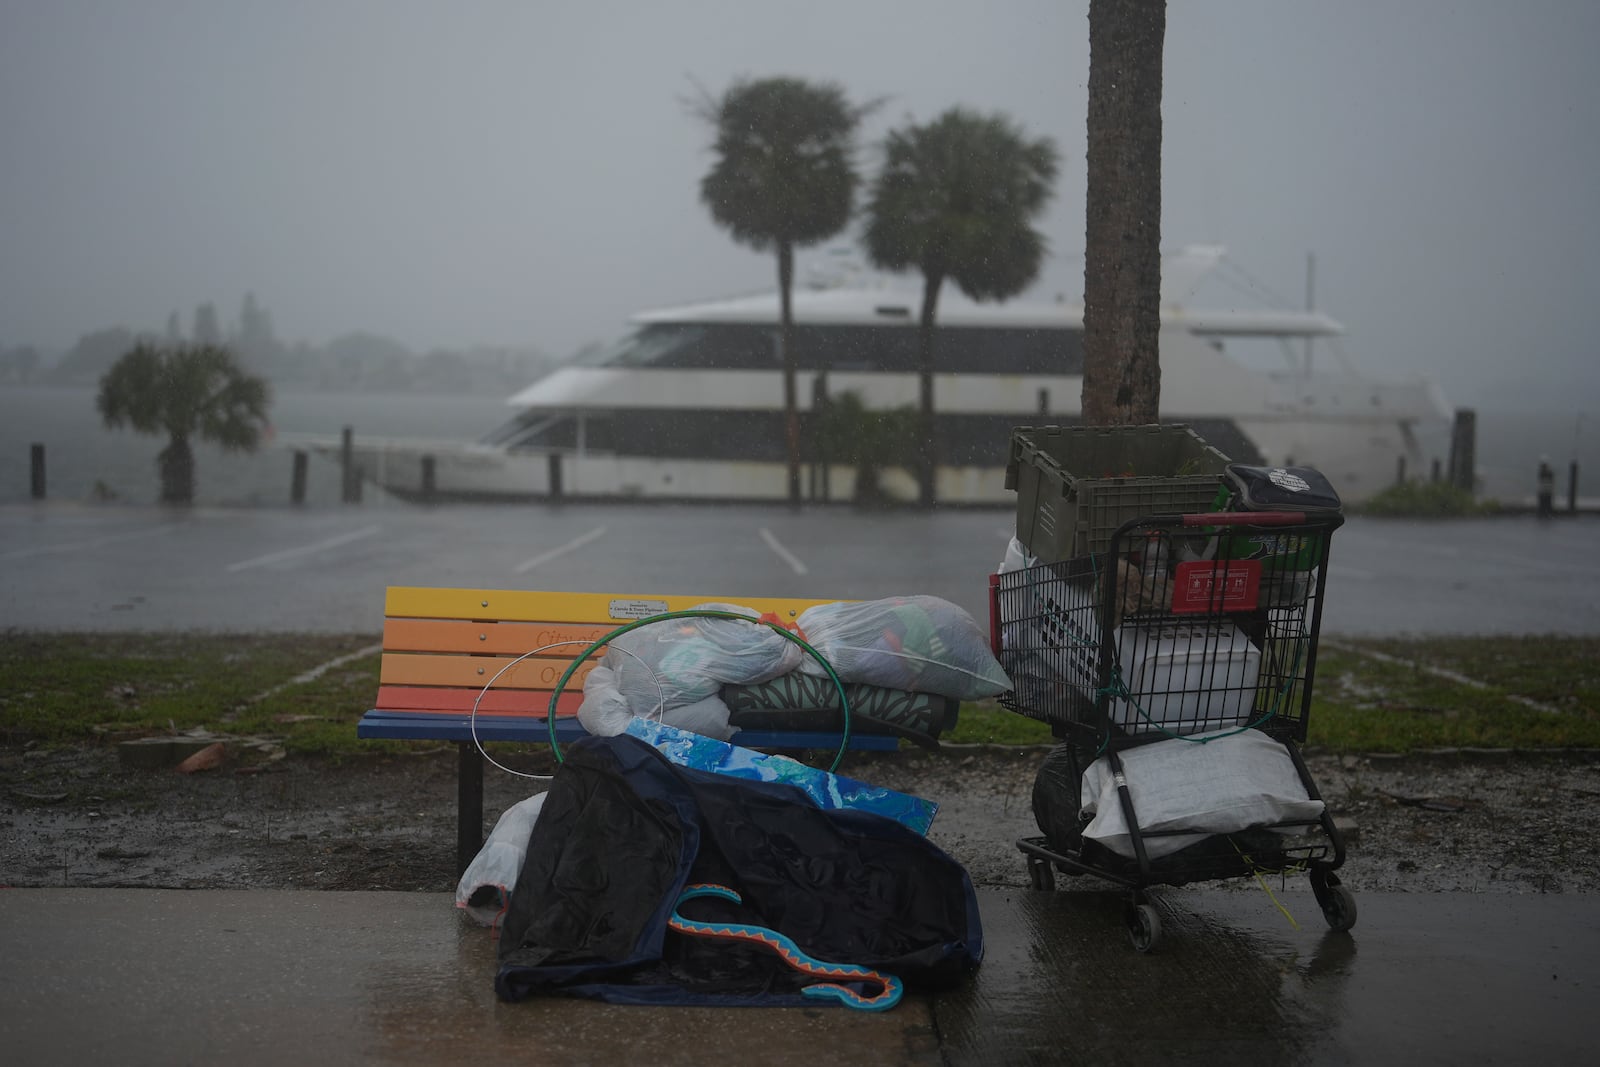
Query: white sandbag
{"x": 485, "y": 885}
{"x": 1231, "y": 783}
{"x": 922, "y": 644}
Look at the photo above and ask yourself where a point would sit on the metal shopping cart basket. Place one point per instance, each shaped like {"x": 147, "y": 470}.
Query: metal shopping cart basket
{"x": 1176, "y": 669}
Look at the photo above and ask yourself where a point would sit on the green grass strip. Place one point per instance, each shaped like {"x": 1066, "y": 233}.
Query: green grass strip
{"x": 56, "y": 689}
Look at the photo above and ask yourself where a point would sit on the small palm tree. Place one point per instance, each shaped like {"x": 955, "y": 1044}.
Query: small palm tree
{"x": 784, "y": 177}
{"x": 868, "y": 440}
{"x": 185, "y": 391}
{"x": 956, "y": 199}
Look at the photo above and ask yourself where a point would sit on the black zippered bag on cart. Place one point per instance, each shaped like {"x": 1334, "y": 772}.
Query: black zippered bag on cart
{"x": 1282, "y": 489}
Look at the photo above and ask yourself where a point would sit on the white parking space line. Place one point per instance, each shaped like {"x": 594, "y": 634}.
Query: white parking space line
{"x": 1339, "y": 570}
{"x": 304, "y": 550}
{"x": 79, "y": 546}
{"x": 571, "y": 546}
{"x": 782, "y": 553}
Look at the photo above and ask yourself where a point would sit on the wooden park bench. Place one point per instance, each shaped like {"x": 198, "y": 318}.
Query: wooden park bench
{"x": 443, "y": 647}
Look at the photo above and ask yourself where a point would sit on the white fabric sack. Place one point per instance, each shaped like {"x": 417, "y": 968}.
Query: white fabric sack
{"x": 1231, "y": 783}
{"x": 485, "y": 885}
{"x": 922, "y": 644}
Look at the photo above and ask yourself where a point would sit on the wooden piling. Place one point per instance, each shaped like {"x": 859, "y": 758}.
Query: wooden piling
{"x": 1463, "y": 449}
{"x": 36, "y": 470}
{"x": 351, "y": 484}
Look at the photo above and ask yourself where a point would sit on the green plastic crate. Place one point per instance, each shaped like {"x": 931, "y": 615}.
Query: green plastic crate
{"x": 1077, "y": 484}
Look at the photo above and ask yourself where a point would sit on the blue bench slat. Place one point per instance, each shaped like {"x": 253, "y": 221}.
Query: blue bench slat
{"x": 415, "y": 726}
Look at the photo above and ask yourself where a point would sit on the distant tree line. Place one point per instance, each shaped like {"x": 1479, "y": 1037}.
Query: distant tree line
{"x": 357, "y": 360}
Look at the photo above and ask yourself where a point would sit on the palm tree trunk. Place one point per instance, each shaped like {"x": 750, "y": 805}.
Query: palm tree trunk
{"x": 177, "y": 471}
{"x": 791, "y": 413}
{"x": 928, "y": 439}
{"x": 1122, "y": 241}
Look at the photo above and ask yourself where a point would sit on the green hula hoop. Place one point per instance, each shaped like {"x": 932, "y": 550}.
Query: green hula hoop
{"x": 696, "y": 613}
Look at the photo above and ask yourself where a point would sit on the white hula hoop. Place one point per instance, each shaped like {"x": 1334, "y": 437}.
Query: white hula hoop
{"x": 472, "y": 722}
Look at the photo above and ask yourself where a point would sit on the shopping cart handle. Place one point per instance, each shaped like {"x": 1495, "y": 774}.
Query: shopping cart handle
{"x": 1246, "y": 518}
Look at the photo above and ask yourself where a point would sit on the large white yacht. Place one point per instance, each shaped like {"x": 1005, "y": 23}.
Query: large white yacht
{"x": 689, "y": 405}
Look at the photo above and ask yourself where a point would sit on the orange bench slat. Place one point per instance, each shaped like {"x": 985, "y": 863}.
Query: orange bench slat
{"x": 475, "y": 672}
{"x": 514, "y": 638}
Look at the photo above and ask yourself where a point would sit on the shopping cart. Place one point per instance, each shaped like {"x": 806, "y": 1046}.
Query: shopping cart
{"x": 1176, "y": 668}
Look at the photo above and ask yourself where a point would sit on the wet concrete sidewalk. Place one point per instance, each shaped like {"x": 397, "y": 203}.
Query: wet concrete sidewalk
{"x": 172, "y": 976}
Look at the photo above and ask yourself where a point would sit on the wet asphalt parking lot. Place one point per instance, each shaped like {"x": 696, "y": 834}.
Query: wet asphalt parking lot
{"x": 74, "y": 567}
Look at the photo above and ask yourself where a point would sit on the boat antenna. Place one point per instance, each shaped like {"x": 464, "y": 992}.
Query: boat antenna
{"x": 1311, "y": 302}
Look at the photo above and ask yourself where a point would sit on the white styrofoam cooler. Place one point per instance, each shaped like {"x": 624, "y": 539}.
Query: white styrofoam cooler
{"x": 1186, "y": 677}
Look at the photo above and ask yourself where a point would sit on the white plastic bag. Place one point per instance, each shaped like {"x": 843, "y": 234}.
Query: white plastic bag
{"x": 673, "y": 670}
{"x": 922, "y": 644}
{"x": 485, "y": 886}
{"x": 1230, "y": 783}
{"x": 1017, "y": 558}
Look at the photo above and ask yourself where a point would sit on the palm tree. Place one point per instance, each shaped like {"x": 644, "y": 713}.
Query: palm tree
{"x": 784, "y": 177}
{"x": 868, "y": 440}
{"x": 956, "y": 199}
{"x": 185, "y": 391}
{"x": 1122, "y": 238}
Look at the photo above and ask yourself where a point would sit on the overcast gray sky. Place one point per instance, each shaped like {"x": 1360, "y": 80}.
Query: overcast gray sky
{"x": 527, "y": 173}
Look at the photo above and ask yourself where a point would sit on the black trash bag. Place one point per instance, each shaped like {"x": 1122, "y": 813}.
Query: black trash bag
{"x": 1282, "y": 489}
{"x": 1057, "y": 797}
{"x": 623, "y": 831}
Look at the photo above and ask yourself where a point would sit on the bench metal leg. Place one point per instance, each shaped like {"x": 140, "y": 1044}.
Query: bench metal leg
{"x": 469, "y": 805}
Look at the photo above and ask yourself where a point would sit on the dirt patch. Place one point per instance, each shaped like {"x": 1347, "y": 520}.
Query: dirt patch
{"x": 1506, "y": 823}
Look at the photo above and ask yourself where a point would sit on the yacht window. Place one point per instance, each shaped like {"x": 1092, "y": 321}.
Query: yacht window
{"x": 653, "y": 345}
{"x": 884, "y": 349}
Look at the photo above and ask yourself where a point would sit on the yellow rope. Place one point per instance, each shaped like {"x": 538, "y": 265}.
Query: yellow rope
{"x": 1261, "y": 881}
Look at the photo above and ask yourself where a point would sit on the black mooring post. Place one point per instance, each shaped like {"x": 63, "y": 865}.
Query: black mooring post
{"x": 297, "y": 484}
{"x": 469, "y": 805}
{"x": 553, "y": 466}
{"x": 351, "y": 484}
{"x": 1572, "y": 487}
{"x": 1464, "y": 450}
{"x": 37, "y": 471}
{"x": 429, "y": 483}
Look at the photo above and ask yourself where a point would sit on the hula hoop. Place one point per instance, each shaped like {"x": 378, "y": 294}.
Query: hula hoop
{"x": 472, "y": 720}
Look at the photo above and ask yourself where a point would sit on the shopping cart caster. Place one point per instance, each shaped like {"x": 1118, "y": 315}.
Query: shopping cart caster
{"x": 1338, "y": 903}
{"x": 1041, "y": 874}
{"x": 1144, "y": 926}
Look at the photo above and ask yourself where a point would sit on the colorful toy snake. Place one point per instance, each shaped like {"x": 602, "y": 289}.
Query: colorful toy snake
{"x": 789, "y": 952}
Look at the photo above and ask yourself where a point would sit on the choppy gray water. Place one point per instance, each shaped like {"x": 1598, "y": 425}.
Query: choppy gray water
{"x": 84, "y": 460}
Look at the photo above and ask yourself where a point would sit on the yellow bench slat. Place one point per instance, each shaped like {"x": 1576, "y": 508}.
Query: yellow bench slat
{"x": 522, "y": 605}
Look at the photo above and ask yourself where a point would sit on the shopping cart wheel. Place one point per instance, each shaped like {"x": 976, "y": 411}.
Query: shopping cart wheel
{"x": 1338, "y": 903}
{"x": 1144, "y": 926}
{"x": 1040, "y": 874}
